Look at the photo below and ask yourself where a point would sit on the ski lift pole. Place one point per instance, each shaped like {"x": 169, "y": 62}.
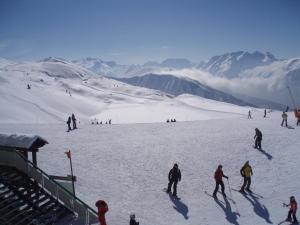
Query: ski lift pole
{"x": 292, "y": 97}
{"x": 72, "y": 176}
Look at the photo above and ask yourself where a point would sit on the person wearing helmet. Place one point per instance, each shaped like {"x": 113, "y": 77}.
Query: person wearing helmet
{"x": 219, "y": 181}
{"x": 292, "y": 212}
{"x": 246, "y": 172}
{"x": 174, "y": 177}
{"x": 132, "y": 220}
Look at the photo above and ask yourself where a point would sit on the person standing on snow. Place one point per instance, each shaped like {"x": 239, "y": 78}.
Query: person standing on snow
{"x": 265, "y": 113}
{"x": 102, "y": 209}
{"x": 292, "y": 212}
{"x": 132, "y": 220}
{"x": 74, "y": 122}
{"x": 284, "y": 119}
{"x": 246, "y": 173}
{"x": 258, "y": 138}
{"x": 69, "y": 123}
{"x": 249, "y": 115}
{"x": 174, "y": 177}
{"x": 219, "y": 181}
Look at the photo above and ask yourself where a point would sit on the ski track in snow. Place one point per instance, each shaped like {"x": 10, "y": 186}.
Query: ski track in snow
{"x": 127, "y": 165}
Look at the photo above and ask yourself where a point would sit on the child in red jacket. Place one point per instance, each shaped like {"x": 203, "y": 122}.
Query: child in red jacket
{"x": 102, "y": 209}
{"x": 292, "y": 212}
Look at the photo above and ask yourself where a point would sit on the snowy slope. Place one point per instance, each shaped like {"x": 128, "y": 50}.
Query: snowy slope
{"x": 60, "y": 88}
{"x": 127, "y": 165}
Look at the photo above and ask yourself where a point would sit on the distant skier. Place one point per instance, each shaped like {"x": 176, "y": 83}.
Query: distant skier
{"x": 249, "y": 115}
{"x": 284, "y": 118}
{"x": 69, "y": 123}
{"x": 258, "y": 138}
{"x": 174, "y": 120}
{"x": 246, "y": 173}
{"x": 168, "y": 120}
{"x": 132, "y": 220}
{"x": 28, "y": 87}
{"x": 219, "y": 181}
{"x": 174, "y": 176}
{"x": 292, "y": 212}
{"x": 74, "y": 122}
{"x": 265, "y": 113}
{"x": 109, "y": 121}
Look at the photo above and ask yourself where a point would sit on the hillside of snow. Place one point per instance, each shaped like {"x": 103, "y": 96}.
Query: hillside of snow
{"x": 127, "y": 165}
{"x": 255, "y": 77}
{"x": 177, "y": 85}
{"x": 50, "y": 90}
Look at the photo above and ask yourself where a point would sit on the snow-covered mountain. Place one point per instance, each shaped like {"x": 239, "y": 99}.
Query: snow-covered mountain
{"x": 232, "y": 64}
{"x": 113, "y": 69}
{"x": 50, "y": 90}
{"x": 180, "y": 85}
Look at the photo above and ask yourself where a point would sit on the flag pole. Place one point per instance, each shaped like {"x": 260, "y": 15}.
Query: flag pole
{"x": 68, "y": 153}
{"x": 72, "y": 176}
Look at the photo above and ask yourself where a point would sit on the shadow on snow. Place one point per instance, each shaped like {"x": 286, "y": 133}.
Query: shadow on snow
{"x": 179, "y": 206}
{"x": 258, "y": 208}
{"x": 230, "y": 215}
{"x": 266, "y": 154}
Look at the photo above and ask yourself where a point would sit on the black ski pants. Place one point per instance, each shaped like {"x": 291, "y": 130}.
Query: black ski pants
{"x": 292, "y": 215}
{"x": 258, "y": 143}
{"x": 174, "y": 183}
{"x": 219, "y": 182}
{"x": 247, "y": 183}
{"x": 298, "y": 122}
{"x": 69, "y": 126}
{"x": 74, "y": 124}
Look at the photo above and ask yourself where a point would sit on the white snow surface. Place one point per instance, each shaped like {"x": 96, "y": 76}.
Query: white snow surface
{"x": 59, "y": 88}
{"x": 127, "y": 166}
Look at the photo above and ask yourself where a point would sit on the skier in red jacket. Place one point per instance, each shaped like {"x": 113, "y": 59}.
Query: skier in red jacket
{"x": 102, "y": 209}
{"x": 292, "y": 212}
{"x": 218, "y": 178}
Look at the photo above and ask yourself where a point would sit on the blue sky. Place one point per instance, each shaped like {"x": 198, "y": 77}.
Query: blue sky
{"x": 135, "y": 31}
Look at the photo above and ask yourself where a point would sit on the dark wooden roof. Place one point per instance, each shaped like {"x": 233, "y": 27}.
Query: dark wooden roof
{"x": 22, "y": 142}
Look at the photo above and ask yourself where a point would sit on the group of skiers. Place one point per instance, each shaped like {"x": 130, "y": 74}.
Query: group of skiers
{"x": 73, "y": 119}
{"x": 284, "y": 116}
{"x": 96, "y": 122}
{"x": 265, "y": 113}
{"x": 171, "y": 120}
{"x": 246, "y": 172}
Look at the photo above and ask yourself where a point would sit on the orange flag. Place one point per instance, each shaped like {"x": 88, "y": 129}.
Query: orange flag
{"x": 68, "y": 153}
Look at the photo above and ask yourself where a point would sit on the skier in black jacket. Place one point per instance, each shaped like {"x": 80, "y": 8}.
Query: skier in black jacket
{"x": 69, "y": 123}
{"x": 74, "y": 122}
{"x": 174, "y": 177}
{"x": 132, "y": 220}
{"x": 258, "y": 138}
